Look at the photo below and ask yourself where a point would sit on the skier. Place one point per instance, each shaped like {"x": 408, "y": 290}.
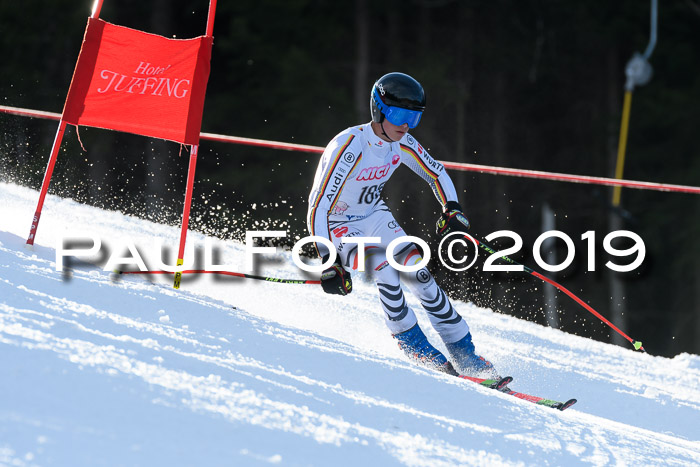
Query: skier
{"x": 345, "y": 202}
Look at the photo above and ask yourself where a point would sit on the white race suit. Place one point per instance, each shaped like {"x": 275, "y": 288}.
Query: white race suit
{"x": 345, "y": 201}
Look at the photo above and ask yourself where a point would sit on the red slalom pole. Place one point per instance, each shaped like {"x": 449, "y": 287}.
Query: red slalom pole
{"x": 186, "y": 213}
{"x": 97, "y": 6}
{"x": 46, "y": 182}
{"x": 636, "y": 344}
{"x": 210, "y": 18}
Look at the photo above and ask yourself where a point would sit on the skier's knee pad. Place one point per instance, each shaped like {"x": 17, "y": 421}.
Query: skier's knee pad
{"x": 410, "y": 255}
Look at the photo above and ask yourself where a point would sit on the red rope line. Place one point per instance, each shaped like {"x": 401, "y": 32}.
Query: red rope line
{"x": 460, "y": 166}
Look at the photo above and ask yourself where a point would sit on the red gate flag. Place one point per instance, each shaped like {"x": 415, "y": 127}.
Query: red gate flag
{"x": 136, "y": 82}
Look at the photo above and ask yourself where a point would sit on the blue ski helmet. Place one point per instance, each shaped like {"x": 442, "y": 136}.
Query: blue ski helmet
{"x": 399, "y": 98}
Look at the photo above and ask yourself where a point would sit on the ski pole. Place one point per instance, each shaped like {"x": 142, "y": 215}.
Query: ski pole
{"x": 636, "y": 344}
{"x": 230, "y": 273}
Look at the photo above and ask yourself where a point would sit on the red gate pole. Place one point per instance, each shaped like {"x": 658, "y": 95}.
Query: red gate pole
{"x": 96, "y": 7}
{"x": 186, "y": 213}
{"x": 210, "y": 18}
{"x": 190, "y": 171}
{"x": 47, "y": 180}
{"x": 52, "y": 158}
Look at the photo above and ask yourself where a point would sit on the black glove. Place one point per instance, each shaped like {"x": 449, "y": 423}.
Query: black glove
{"x": 335, "y": 279}
{"x": 452, "y": 220}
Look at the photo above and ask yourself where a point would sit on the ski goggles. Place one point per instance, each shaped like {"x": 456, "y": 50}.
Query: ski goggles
{"x": 398, "y": 115}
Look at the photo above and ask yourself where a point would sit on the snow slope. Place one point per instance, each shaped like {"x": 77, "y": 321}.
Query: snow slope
{"x": 240, "y": 372}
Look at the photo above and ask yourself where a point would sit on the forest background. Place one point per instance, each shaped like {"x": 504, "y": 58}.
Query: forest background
{"x": 529, "y": 84}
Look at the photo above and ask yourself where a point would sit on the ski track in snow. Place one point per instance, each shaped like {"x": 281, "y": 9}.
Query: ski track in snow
{"x": 130, "y": 371}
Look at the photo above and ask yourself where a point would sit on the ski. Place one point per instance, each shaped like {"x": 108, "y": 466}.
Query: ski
{"x": 541, "y": 400}
{"x": 501, "y": 385}
{"x": 497, "y": 384}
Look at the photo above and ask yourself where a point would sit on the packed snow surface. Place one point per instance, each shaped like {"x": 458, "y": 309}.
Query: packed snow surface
{"x": 231, "y": 371}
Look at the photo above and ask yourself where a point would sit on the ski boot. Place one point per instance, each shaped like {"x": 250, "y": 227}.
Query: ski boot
{"x": 416, "y": 347}
{"x": 469, "y": 363}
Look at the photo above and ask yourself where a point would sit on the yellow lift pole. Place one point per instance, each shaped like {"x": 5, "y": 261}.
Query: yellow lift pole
{"x": 638, "y": 71}
{"x": 622, "y": 146}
